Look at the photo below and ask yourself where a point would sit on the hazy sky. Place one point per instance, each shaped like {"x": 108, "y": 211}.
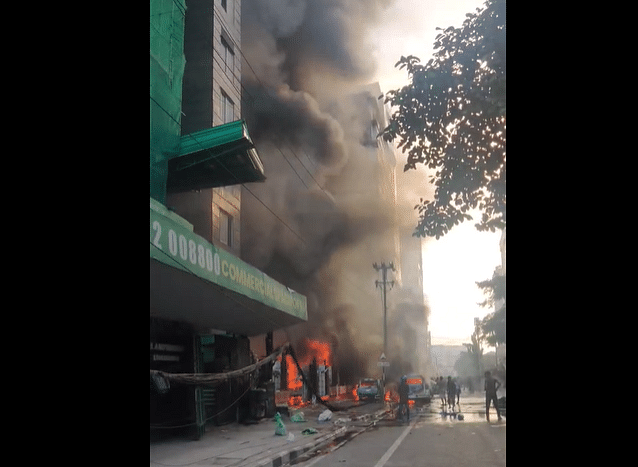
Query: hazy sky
{"x": 453, "y": 264}
{"x": 408, "y": 27}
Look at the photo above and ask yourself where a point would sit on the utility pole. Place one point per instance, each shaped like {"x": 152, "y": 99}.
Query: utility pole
{"x": 382, "y": 285}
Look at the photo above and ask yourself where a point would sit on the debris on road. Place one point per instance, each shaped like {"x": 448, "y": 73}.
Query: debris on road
{"x": 280, "y": 428}
{"x": 297, "y": 417}
{"x": 325, "y": 415}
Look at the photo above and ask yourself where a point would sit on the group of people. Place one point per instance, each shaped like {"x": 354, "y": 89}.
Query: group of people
{"x": 451, "y": 389}
{"x": 450, "y": 394}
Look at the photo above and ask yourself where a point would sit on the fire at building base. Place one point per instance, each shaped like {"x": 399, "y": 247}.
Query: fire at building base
{"x": 295, "y": 390}
{"x": 224, "y": 271}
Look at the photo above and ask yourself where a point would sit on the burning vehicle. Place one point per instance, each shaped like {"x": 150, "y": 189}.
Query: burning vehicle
{"x": 368, "y": 388}
{"x": 419, "y": 390}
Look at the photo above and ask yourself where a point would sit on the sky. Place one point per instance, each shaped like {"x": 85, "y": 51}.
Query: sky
{"x": 451, "y": 267}
{"x": 408, "y": 27}
{"x": 453, "y": 264}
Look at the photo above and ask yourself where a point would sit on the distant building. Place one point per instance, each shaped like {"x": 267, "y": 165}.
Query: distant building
{"x": 407, "y": 316}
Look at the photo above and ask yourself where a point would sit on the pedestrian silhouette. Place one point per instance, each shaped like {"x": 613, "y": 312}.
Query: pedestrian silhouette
{"x": 441, "y": 388}
{"x": 404, "y": 392}
{"x": 491, "y": 386}
{"x": 451, "y": 392}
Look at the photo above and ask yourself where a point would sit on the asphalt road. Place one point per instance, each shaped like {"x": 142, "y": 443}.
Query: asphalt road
{"x": 430, "y": 439}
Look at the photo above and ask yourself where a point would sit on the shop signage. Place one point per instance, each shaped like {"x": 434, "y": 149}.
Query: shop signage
{"x": 173, "y": 243}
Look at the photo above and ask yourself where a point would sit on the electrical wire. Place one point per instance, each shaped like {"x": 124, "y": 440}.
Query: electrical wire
{"x": 232, "y": 174}
{"x": 254, "y": 196}
{"x": 192, "y": 379}
{"x": 264, "y": 87}
{"x": 226, "y": 67}
{"x": 292, "y": 167}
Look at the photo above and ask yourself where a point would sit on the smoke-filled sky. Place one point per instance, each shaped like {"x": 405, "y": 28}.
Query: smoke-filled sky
{"x": 308, "y": 115}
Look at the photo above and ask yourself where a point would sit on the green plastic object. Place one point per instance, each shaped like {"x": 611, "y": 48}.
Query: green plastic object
{"x": 297, "y": 417}
{"x": 280, "y": 428}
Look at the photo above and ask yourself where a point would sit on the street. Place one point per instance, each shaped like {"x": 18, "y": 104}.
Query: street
{"x": 431, "y": 438}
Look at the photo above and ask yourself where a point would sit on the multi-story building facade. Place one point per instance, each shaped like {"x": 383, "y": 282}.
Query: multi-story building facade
{"x": 407, "y": 332}
{"x": 212, "y": 97}
{"x": 205, "y": 302}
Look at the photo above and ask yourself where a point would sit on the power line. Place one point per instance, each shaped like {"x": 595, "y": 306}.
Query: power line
{"x": 265, "y": 88}
{"x": 230, "y": 70}
{"x": 231, "y": 173}
{"x": 223, "y": 22}
{"x": 252, "y": 98}
{"x": 292, "y": 167}
{"x": 309, "y": 173}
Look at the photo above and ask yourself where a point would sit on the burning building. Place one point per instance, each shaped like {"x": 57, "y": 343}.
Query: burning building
{"x": 334, "y": 204}
{"x": 235, "y": 255}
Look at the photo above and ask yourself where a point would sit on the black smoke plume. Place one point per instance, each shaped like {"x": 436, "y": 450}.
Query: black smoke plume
{"x": 308, "y": 109}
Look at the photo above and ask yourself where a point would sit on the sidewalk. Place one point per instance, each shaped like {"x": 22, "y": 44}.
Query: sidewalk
{"x": 253, "y": 445}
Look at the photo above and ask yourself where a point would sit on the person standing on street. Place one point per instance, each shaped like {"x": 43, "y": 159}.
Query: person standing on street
{"x": 441, "y": 388}
{"x": 404, "y": 391}
{"x": 491, "y": 386}
{"x": 451, "y": 392}
{"x": 458, "y": 393}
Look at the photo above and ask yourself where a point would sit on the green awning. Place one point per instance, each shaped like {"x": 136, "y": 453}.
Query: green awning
{"x": 219, "y": 156}
{"x": 196, "y": 282}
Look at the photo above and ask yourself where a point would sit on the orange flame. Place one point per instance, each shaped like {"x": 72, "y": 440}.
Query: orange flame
{"x": 293, "y": 382}
{"x": 318, "y": 350}
{"x": 314, "y": 349}
{"x": 295, "y": 401}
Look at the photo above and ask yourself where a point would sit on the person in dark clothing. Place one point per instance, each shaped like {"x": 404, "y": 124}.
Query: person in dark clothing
{"x": 491, "y": 386}
{"x": 441, "y": 388}
{"x": 451, "y": 392}
{"x": 404, "y": 391}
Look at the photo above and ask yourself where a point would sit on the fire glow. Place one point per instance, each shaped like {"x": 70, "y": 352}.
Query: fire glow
{"x": 391, "y": 396}
{"x": 313, "y": 349}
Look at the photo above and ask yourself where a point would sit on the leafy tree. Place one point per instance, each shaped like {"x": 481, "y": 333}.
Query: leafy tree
{"x": 494, "y": 289}
{"x": 493, "y": 326}
{"x": 475, "y": 352}
{"x": 451, "y": 118}
{"x": 465, "y": 365}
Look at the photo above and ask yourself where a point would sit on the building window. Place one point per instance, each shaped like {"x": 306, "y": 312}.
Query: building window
{"x": 227, "y": 108}
{"x": 225, "y": 228}
{"x": 228, "y": 55}
{"x": 370, "y": 134}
